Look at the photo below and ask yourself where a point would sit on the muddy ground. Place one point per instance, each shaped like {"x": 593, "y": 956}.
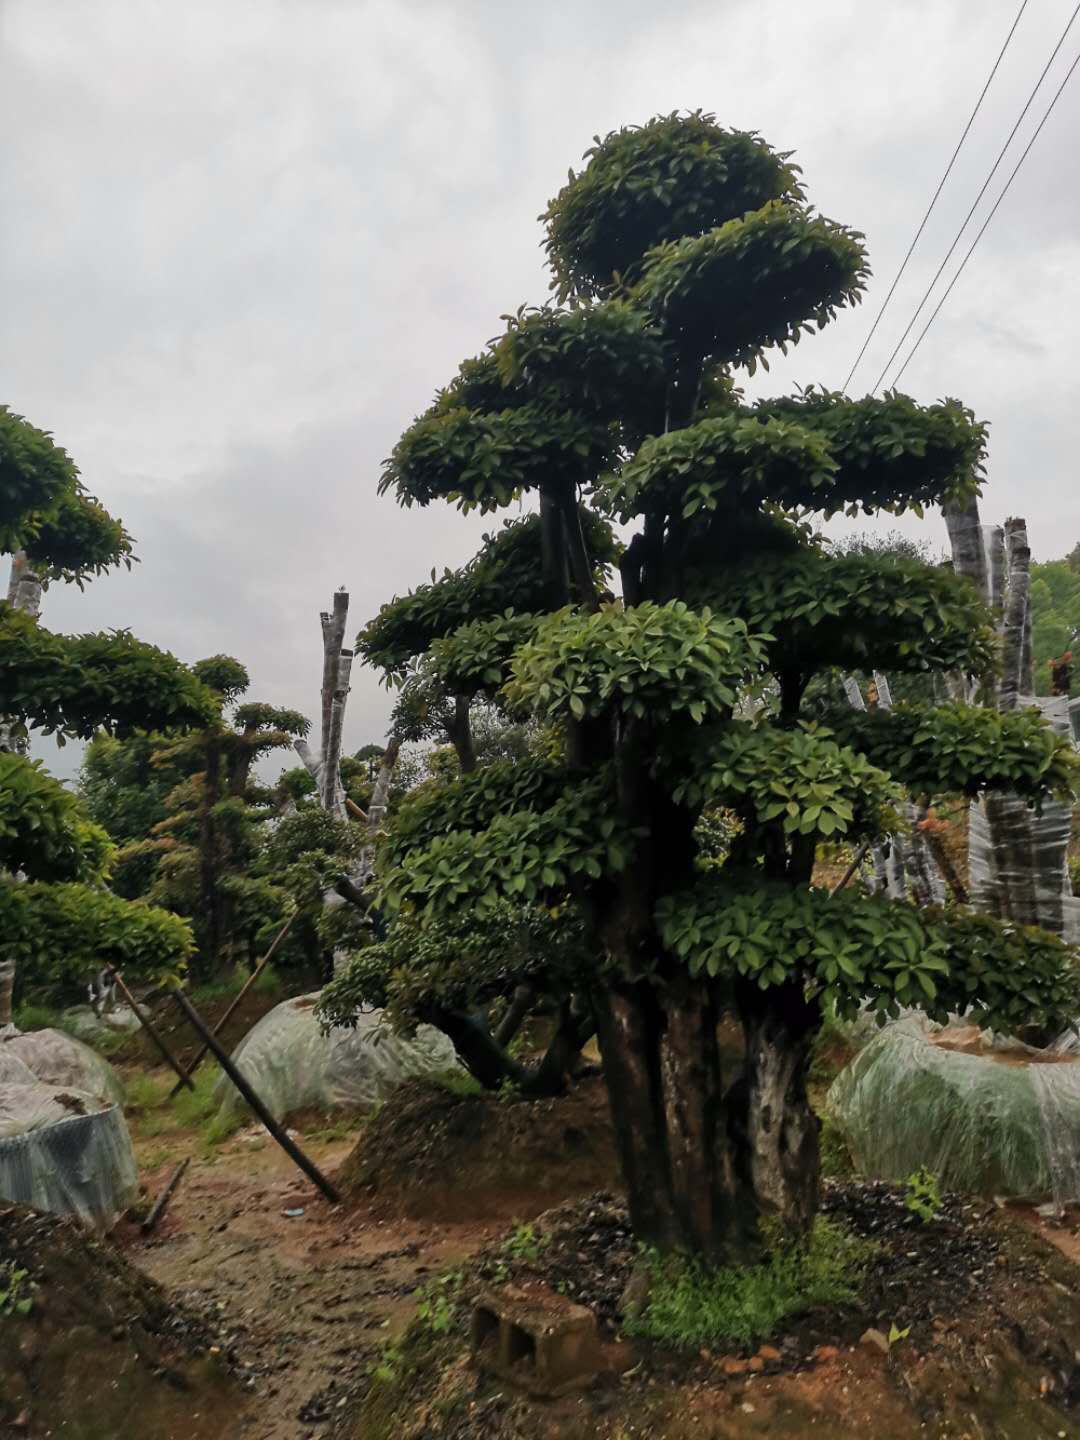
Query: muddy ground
{"x": 294, "y": 1318}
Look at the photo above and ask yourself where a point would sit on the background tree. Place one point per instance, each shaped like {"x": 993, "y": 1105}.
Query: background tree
{"x": 59, "y": 922}
{"x": 681, "y": 252}
{"x": 1055, "y": 608}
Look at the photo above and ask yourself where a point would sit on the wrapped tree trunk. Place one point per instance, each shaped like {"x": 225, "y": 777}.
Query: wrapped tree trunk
{"x": 24, "y": 594}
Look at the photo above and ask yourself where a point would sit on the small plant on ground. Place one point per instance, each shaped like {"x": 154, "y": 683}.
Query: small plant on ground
{"x": 692, "y": 1304}
{"x": 526, "y": 1242}
{"x": 436, "y": 1302}
{"x": 923, "y": 1194}
{"x": 16, "y": 1289}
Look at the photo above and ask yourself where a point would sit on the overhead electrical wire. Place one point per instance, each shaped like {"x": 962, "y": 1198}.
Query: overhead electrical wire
{"x": 937, "y": 192}
{"x": 986, "y": 222}
{"x": 975, "y": 203}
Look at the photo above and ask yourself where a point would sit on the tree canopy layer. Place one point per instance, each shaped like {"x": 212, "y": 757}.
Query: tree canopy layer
{"x": 681, "y": 253}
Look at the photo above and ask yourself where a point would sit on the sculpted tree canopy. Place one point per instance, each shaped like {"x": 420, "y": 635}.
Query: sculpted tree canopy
{"x": 681, "y": 253}
{"x": 58, "y": 918}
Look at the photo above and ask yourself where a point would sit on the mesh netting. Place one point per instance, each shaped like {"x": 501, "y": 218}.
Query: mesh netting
{"x": 55, "y": 1058}
{"x": 292, "y": 1065}
{"x": 81, "y": 1165}
{"x": 988, "y": 1118}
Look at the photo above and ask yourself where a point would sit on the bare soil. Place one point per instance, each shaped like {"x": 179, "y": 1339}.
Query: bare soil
{"x": 259, "y": 1309}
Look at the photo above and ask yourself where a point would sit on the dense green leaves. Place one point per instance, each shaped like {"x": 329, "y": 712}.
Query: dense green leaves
{"x": 463, "y": 962}
{"x": 758, "y": 281}
{"x": 476, "y": 657}
{"x": 526, "y": 856}
{"x": 652, "y": 657}
{"x": 963, "y": 749}
{"x": 858, "y": 612}
{"x": 78, "y": 538}
{"x": 506, "y": 575}
{"x": 677, "y": 175}
{"x": 68, "y": 932}
{"x": 34, "y": 474}
{"x": 857, "y": 946}
{"x": 890, "y": 453}
{"x": 43, "y": 831}
{"x": 485, "y": 460}
{"x": 722, "y": 462}
{"x": 800, "y": 777}
{"x": 76, "y": 684}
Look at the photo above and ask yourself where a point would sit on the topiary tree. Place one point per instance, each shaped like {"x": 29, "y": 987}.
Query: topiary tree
{"x": 58, "y": 920}
{"x": 681, "y": 253}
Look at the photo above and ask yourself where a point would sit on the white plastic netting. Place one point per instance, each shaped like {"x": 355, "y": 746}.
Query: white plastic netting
{"x": 987, "y": 1117}
{"x": 64, "y": 1143}
{"x": 292, "y": 1065}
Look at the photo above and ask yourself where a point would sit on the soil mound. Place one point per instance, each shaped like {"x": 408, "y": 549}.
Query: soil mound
{"x": 87, "y": 1342}
{"x": 435, "y": 1155}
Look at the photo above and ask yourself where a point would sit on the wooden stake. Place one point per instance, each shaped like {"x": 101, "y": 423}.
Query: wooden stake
{"x": 310, "y": 1169}
{"x": 166, "y": 1195}
{"x": 858, "y": 858}
{"x": 149, "y": 1027}
{"x": 248, "y": 983}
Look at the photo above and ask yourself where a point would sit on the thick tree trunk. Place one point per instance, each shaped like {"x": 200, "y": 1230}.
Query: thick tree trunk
{"x": 781, "y": 1127}
{"x": 461, "y": 735}
{"x": 24, "y": 595}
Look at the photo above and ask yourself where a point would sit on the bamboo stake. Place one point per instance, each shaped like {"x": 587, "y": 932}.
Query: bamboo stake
{"x": 166, "y": 1195}
{"x": 248, "y": 983}
{"x": 149, "y": 1027}
{"x": 310, "y": 1169}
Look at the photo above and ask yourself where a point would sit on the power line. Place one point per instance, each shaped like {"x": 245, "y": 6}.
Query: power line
{"x": 975, "y": 203}
{"x": 937, "y": 192}
{"x": 986, "y": 222}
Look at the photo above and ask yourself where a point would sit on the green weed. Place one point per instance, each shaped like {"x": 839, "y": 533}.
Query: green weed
{"x": 692, "y": 1305}
{"x": 458, "y": 1082}
{"x": 436, "y": 1302}
{"x": 923, "y": 1194}
{"x": 16, "y": 1289}
{"x": 526, "y": 1242}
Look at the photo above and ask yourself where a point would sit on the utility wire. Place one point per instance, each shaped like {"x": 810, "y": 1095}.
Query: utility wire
{"x": 934, "y": 198}
{"x": 986, "y": 222}
{"x": 975, "y": 203}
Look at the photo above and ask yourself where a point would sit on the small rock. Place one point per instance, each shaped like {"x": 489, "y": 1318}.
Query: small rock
{"x": 747, "y": 1408}
{"x": 730, "y": 1366}
{"x": 874, "y": 1340}
{"x": 755, "y": 1364}
{"x": 770, "y": 1353}
{"x": 825, "y": 1353}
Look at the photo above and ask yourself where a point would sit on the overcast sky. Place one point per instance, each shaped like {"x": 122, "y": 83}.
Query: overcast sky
{"x": 242, "y": 244}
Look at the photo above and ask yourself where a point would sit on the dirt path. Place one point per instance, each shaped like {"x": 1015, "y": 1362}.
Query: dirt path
{"x": 307, "y": 1300}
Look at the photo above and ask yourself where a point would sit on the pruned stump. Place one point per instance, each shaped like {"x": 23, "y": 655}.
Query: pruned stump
{"x": 535, "y": 1339}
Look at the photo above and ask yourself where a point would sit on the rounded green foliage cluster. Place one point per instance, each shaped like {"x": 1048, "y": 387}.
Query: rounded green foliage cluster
{"x": 65, "y": 933}
{"x": 722, "y": 462}
{"x": 34, "y": 474}
{"x": 483, "y": 460}
{"x": 851, "y": 946}
{"x": 74, "y": 685}
{"x": 891, "y": 454}
{"x": 857, "y": 613}
{"x": 605, "y": 359}
{"x": 225, "y": 675}
{"x": 676, "y": 175}
{"x": 650, "y": 657}
{"x": 758, "y": 281}
{"x": 800, "y": 777}
{"x": 78, "y": 538}
{"x": 963, "y": 749}
{"x": 527, "y": 856}
{"x": 507, "y": 574}
{"x": 475, "y": 658}
{"x": 43, "y": 831}
{"x": 258, "y": 715}
{"x": 461, "y": 962}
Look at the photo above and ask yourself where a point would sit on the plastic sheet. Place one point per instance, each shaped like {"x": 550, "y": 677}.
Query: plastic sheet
{"x": 29, "y": 1106}
{"x": 83, "y": 1165}
{"x": 55, "y": 1058}
{"x": 1018, "y": 859}
{"x": 988, "y": 1117}
{"x": 292, "y": 1065}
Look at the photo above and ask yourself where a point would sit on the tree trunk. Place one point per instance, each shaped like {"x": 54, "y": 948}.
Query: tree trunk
{"x": 209, "y": 860}
{"x": 781, "y": 1161}
{"x": 461, "y": 735}
{"x": 24, "y": 595}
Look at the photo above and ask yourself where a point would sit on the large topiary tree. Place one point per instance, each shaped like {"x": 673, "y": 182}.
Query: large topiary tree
{"x": 681, "y": 253}
{"x": 59, "y": 922}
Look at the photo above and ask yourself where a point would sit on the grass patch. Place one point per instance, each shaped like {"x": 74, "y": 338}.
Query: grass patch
{"x": 152, "y": 1113}
{"x": 458, "y": 1082}
{"x": 224, "y": 987}
{"x": 32, "y": 1016}
{"x": 692, "y": 1305}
